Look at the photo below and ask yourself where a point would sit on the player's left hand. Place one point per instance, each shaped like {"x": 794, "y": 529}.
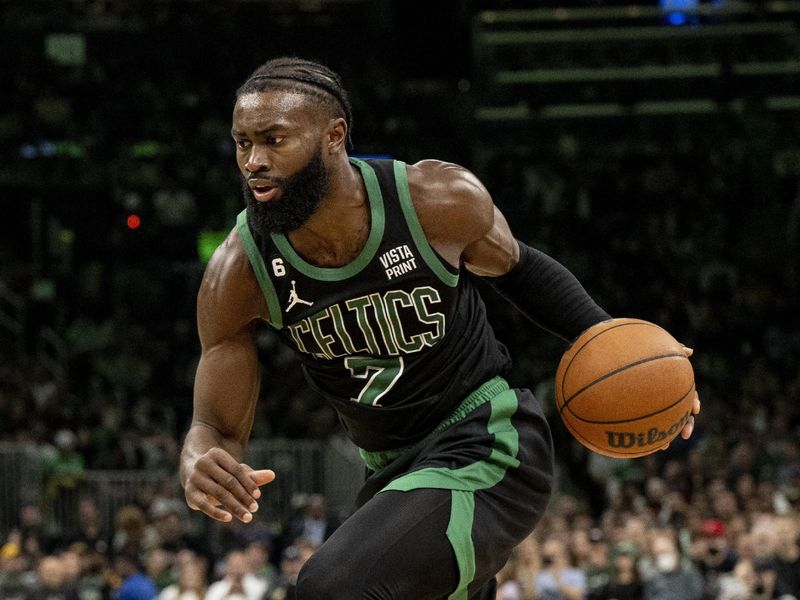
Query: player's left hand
{"x": 687, "y": 430}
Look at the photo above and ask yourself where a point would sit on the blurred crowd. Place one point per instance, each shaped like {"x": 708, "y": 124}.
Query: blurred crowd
{"x": 152, "y": 552}
{"x": 639, "y": 558}
{"x": 692, "y": 222}
{"x": 680, "y": 529}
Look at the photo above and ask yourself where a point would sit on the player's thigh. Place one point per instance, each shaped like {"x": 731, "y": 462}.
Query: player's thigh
{"x": 394, "y": 547}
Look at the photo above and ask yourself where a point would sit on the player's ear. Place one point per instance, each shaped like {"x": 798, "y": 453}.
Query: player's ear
{"x": 336, "y": 135}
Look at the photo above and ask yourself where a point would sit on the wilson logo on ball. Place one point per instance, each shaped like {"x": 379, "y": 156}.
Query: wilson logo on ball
{"x": 625, "y": 388}
{"x": 628, "y": 439}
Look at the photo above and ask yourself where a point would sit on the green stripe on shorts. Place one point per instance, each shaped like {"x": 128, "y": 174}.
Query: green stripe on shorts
{"x": 465, "y": 481}
{"x": 479, "y": 475}
{"x": 459, "y": 532}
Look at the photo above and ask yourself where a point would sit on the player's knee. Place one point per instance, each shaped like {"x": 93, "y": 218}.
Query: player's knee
{"x": 325, "y": 579}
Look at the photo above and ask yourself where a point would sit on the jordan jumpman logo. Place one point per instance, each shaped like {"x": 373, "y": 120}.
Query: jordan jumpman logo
{"x": 295, "y": 299}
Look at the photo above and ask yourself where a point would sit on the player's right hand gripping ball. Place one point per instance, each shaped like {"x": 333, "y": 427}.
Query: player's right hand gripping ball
{"x": 625, "y": 388}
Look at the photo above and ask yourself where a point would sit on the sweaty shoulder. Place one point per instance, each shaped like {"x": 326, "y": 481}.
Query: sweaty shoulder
{"x": 229, "y": 299}
{"x": 453, "y": 206}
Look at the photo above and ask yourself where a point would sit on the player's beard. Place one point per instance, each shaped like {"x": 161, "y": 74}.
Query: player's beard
{"x": 301, "y": 195}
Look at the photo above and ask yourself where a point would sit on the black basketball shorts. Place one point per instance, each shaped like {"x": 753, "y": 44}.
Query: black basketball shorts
{"x": 440, "y": 519}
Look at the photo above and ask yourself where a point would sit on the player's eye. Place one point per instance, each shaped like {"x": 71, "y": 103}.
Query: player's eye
{"x": 273, "y": 140}
{"x": 242, "y": 144}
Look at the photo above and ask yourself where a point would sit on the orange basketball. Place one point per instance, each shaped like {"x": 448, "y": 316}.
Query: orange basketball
{"x": 625, "y": 388}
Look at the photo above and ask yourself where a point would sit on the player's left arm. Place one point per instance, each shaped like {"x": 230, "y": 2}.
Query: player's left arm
{"x": 463, "y": 224}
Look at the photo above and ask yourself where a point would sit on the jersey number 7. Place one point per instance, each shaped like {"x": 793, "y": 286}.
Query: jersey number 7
{"x": 381, "y": 374}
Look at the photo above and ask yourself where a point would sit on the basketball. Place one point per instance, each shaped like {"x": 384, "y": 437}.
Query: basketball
{"x": 625, "y": 388}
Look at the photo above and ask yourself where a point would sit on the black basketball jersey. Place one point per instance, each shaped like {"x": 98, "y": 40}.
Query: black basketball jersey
{"x": 396, "y": 338}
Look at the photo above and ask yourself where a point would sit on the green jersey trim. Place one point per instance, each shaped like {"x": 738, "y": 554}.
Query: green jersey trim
{"x": 260, "y": 269}
{"x": 417, "y": 234}
{"x": 378, "y": 219}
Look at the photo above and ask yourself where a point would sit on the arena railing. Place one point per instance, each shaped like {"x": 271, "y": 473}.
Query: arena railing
{"x": 331, "y": 468}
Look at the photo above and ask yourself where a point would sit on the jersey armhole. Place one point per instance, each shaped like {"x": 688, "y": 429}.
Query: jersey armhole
{"x": 260, "y": 270}
{"x": 435, "y": 262}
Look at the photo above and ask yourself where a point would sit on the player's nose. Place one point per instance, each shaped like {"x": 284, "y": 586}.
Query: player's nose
{"x": 257, "y": 159}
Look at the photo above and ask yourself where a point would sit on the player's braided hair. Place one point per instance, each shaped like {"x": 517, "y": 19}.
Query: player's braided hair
{"x": 306, "y": 77}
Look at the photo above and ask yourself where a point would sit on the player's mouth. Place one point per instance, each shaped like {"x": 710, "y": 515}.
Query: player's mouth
{"x": 262, "y": 190}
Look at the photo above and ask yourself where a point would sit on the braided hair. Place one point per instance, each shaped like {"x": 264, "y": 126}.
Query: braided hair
{"x": 305, "y": 77}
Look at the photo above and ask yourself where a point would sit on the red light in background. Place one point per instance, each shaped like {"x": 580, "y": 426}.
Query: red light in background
{"x": 134, "y": 221}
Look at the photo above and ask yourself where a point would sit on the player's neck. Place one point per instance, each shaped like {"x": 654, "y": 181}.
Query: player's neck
{"x": 338, "y": 230}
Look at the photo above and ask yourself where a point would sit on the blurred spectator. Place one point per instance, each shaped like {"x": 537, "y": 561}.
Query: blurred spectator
{"x": 132, "y": 583}
{"x": 62, "y": 471}
{"x": 188, "y": 557}
{"x": 624, "y": 583}
{"x": 744, "y": 583}
{"x": 527, "y": 565}
{"x": 191, "y": 584}
{"x": 764, "y": 538}
{"x": 598, "y": 566}
{"x": 50, "y": 584}
{"x": 313, "y": 523}
{"x": 787, "y": 556}
{"x": 93, "y": 579}
{"x": 559, "y": 579}
{"x": 72, "y": 567}
{"x": 91, "y": 530}
{"x": 635, "y": 530}
{"x": 33, "y": 539}
{"x": 169, "y": 525}
{"x": 257, "y": 553}
{"x": 132, "y": 535}
{"x": 63, "y": 468}
{"x": 159, "y": 567}
{"x": 16, "y": 576}
{"x": 508, "y": 586}
{"x": 712, "y": 554}
{"x": 292, "y": 560}
{"x": 238, "y": 582}
{"x": 674, "y": 578}
{"x": 580, "y": 547}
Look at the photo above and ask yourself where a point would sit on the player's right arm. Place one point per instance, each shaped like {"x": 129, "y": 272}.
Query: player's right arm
{"x": 229, "y": 305}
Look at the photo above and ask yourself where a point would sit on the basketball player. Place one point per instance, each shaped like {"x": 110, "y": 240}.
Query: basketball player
{"x": 365, "y": 269}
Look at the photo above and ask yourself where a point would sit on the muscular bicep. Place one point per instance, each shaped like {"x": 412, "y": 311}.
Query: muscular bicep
{"x": 495, "y": 253}
{"x": 226, "y": 387}
{"x": 229, "y": 305}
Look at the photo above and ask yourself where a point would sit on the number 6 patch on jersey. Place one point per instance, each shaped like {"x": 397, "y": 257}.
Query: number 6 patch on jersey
{"x": 278, "y": 267}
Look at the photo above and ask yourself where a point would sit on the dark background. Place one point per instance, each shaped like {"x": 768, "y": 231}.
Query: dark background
{"x": 672, "y": 194}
